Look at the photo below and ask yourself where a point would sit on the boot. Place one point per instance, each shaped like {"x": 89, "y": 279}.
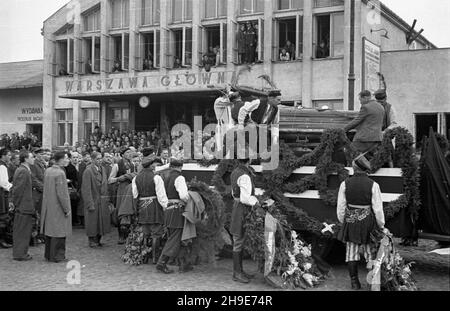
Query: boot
{"x": 98, "y": 238}
{"x": 237, "y": 269}
{"x": 93, "y": 242}
{"x": 353, "y": 271}
{"x": 121, "y": 236}
{"x": 247, "y": 275}
{"x": 155, "y": 250}
{"x": 162, "y": 265}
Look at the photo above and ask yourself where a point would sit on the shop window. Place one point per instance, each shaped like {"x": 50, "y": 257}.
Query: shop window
{"x": 181, "y": 10}
{"x": 251, "y": 6}
{"x": 329, "y": 35}
{"x": 120, "y": 13}
{"x": 213, "y": 45}
{"x": 120, "y": 118}
{"x": 423, "y": 124}
{"x": 148, "y": 50}
{"x": 64, "y": 120}
{"x": 288, "y": 39}
{"x": 289, "y": 4}
{"x": 215, "y": 8}
{"x": 327, "y": 3}
{"x": 121, "y": 52}
{"x": 179, "y": 48}
{"x": 91, "y": 119}
{"x": 92, "y": 20}
{"x": 151, "y": 12}
{"x": 249, "y": 44}
{"x": 91, "y": 55}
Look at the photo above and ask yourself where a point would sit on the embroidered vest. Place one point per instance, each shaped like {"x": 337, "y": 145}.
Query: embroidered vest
{"x": 358, "y": 190}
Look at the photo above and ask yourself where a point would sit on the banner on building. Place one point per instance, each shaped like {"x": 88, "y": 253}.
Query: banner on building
{"x": 371, "y": 65}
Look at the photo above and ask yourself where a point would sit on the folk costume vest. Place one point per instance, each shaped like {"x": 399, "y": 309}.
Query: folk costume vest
{"x": 149, "y": 210}
{"x": 239, "y": 210}
{"x": 173, "y": 215}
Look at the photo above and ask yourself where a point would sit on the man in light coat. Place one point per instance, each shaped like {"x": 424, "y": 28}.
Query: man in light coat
{"x": 56, "y": 222}
{"x": 97, "y": 215}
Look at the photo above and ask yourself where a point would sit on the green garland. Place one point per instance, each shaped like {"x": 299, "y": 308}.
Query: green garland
{"x": 276, "y": 182}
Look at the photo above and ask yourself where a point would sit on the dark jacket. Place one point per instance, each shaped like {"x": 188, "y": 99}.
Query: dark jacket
{"x": 368, "y": 123}
{"x": 22, "y": 191}
{"x": 72, "y": 174}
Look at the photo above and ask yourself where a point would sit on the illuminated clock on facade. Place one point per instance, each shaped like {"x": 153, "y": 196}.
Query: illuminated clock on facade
{"x": 144, "y": 101}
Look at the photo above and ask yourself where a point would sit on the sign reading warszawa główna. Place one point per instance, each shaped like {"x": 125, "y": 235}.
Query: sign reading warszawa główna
{"x": 153, "y": 83}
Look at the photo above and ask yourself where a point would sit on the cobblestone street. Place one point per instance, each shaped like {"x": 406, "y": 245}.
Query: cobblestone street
{"x": 102, "y": 269}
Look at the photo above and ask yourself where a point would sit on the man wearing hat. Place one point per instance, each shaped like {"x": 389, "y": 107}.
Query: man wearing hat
{"x": 122, "y": 173}
{"x": 243, "y": 191}
{"x": 368, "y": 124}
{"x": 177, "y": 194}
{"x": 222, "y": 110}
{"x": 360, "y": 210}
{"x": 389, "y": 120}
{"x": 148, "y": 189}
{"x": 37, "y": 177}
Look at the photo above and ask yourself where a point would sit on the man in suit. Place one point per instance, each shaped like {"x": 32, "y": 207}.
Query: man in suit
{"x": 37, "y": 175}
{"x": 368, "y": 124}
{"x": 72, "y": 175}
{"x": 23, "y": 202}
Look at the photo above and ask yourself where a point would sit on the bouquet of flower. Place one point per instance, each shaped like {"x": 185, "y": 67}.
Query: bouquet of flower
{"x": 301, "y": 270}
{"x": 136, "y": 248}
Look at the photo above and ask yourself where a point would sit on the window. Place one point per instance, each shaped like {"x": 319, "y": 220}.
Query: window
{"x": 251, "y": 6}
{"x": 121, "y": 52}
{"x": 91, "y": 55}
{"x": 92, "y": 21}
{"x": 64, "y": 119}
{"x": 148, "y": 51}
{"x": 91, "y": 119}
{"x": 327, "y": 3}
{"x": 120, "y": 13}
{"x": 181, "y": 10}
{"x": 151, "y": 12}
{"x": 289, "y": 4}
{"x": 213, "y": 43}
{"x": 288, "y": 39}
{"x": 332, "y": 104}
{"x": 179, "y": 48}
{"x": 329, "y": 35}
{"x": 65, "y": 56}
{"x": 120, "y": 117}
{"x": 249, "y": 44}
{"x": 215, "y": 8}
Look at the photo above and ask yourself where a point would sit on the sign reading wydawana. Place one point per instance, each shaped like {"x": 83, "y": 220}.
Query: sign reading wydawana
{"x": 371, "y": 66}
{"x": 123, "y": 83}
{"x": 30, "y": 114}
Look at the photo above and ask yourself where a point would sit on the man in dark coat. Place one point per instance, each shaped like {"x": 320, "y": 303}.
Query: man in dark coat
{"x": 37, "y": 175}
{"x": 243, "y": 190}
{"x": 360, "y": 210}
{"x": 177, "y": 194}
{"x": 56, "y": 223}
{"x": 72, "y": 176}
{"x": 24, "y": 207}
{"x": 5, "y": 187}
{"x": 149, "y": 190}
{"x": 86, "y": 160}
{"x": 97, "y": 214}
{"x": 368, "y": 124}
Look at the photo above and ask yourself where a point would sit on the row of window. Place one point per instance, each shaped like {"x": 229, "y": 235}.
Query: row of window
{"x": 91, "y": 119}
{"x": 287, "y": 45}
{"x": 182, "y": 10}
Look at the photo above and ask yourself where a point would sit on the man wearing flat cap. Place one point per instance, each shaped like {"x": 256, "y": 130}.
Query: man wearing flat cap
{"x": 360, "y": 210}
{"x": 178, "y": 195}
{"x": 368, "y": 124}
{"x": 148, "y": 189}
{"x": 389, "y": 120}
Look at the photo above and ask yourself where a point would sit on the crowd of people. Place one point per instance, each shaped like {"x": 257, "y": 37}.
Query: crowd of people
{"x": 18, "y": 142}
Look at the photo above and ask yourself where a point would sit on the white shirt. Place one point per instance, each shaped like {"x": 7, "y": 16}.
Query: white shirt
{"x": 159, "y": 188}
{"x": 4, "y": 180}
{"x": 247, "y": 109}
{"x": 222, "y": 109}
{"x": 182, "y": 189}
{"x": 245, "y": 184}
{"x": 377, "y": 204}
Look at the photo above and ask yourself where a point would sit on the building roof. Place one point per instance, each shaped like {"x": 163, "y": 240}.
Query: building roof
{"x": 20, "y": 75}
